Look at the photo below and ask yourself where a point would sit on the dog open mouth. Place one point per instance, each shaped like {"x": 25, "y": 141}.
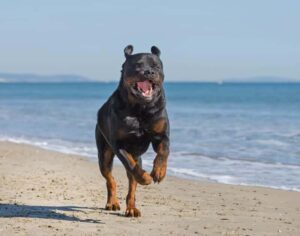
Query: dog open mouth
{"x": 145, "y": 88}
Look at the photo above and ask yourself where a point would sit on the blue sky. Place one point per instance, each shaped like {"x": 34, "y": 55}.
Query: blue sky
{"x": 199, "y": 40}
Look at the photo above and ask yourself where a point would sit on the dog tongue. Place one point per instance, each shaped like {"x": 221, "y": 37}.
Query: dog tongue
{"x": 144, "y": 86}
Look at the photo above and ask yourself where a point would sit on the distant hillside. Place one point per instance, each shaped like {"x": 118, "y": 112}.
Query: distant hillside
{"x": 262, "y": 79}
{"x": 33, "y": 78}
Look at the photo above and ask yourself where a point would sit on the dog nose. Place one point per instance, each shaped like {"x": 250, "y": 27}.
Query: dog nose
{"x": 149, "y": 72}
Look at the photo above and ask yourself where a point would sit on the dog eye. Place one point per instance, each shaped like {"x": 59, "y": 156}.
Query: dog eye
{"x": 156, "y": 66}
{"x": 138, "y": 65}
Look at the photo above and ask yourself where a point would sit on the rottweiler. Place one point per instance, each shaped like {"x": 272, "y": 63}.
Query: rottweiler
{"x": 133, "y": 117}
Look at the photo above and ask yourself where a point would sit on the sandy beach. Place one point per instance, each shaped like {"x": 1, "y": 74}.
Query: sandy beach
{"x": 49, "y": 193}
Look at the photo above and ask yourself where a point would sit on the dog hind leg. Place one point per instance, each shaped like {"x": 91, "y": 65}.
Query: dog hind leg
{"x": 105, "y": 158}
{"x": 131, "y": 210}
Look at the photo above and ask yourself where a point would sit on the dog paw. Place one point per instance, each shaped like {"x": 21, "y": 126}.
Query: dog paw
{"x": 158, "y": 173}
{"x": 132, "y": 212}
{"x": 145, "y": 179}
{"x": 112, "y": 206}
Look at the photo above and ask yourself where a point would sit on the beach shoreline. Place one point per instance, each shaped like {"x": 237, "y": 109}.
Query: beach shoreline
{"x": 58, "y": 194}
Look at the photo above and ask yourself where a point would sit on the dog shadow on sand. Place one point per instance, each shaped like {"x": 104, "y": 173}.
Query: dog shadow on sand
{"x": 45, "y": 212}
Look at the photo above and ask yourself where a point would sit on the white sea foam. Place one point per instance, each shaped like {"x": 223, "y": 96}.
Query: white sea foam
{"x": 221, "y": 170}
{"x": 56, "y": 145}
{"x": 193, "y": 173}
{"x": 272, "y": 142}
{"x": 225, "y": 179}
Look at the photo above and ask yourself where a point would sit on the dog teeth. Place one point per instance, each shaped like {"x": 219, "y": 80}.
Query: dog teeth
{"x": 147, "y": 93}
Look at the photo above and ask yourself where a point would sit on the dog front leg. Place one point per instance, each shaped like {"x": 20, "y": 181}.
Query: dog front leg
{"x": 161, "y": 147}
{"x": 132, "y": 166}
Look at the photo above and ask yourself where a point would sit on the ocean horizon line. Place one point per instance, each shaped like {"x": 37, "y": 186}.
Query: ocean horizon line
{"x": 166, "y": 82}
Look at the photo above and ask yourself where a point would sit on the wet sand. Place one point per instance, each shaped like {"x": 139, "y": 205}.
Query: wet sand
{"x": 49, "y": 193}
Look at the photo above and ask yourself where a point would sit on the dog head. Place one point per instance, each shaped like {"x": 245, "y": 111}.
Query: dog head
{"x": 142, "y": 75}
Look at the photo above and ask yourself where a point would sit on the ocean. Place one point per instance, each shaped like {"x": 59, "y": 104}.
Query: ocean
{"x": 233, "y": 133}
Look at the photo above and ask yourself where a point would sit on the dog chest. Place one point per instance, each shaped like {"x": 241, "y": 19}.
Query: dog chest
{"x": 133, "y": 126}
{"x": 132, "y": 122}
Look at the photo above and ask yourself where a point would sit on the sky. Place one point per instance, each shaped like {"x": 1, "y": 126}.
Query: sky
{"x": 199, "y": 40}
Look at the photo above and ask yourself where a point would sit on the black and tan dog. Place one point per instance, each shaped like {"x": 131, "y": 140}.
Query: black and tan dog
{"x": 132, "y": 118}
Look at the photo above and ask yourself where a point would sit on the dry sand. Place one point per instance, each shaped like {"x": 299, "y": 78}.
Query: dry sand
{"x": 48, "y": 193}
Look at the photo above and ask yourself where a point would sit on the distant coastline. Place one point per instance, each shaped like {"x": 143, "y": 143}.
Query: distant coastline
{"x": 74, "y": 78}
{"x": 36, "y": 78}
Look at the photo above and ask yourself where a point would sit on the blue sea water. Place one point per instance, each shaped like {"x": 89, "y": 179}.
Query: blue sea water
{"x": 246, "y": 134}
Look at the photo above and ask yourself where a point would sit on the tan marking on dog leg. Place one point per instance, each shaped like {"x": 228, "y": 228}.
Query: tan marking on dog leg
{"x": 159, "y": 126}
{"x": 160, "y": 164}
{"x": 131, "y": 210}
{"x": 140, "y": 175}
{"x": 128, "y": 157}
{"x": 112, "y": 201}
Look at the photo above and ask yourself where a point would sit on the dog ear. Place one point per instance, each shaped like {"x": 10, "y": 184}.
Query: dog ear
{"x": 155, "y": 51}
{"x": 128, "y": 50}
